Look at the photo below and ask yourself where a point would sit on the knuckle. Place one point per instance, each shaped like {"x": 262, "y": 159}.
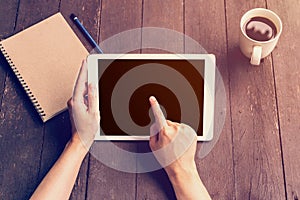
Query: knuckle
{"x": 152, "y": 143}
{"x": 176, "y": 127}
{"x": 164, "y": 132}
{"x": 166, "y": 136}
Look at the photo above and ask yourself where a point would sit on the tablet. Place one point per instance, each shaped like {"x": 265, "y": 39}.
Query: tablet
{"x": 184, "y": 85}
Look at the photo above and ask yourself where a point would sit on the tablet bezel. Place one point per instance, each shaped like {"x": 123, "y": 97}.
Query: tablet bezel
{"x": 209, "y": 85}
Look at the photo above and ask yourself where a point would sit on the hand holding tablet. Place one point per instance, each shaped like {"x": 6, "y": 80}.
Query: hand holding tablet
{"x": 84, "y": 112}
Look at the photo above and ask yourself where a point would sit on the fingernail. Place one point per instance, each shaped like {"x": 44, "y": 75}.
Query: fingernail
{"x": 152, "y": 99}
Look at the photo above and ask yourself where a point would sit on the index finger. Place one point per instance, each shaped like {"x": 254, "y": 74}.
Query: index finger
{"x": 158, "y": 114}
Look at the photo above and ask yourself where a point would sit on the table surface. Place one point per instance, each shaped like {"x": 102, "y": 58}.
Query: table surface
{"x": 257, "y": 154}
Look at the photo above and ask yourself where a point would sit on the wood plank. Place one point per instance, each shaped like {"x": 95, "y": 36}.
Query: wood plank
{"x": 286, "y": 60}
{"x": 215, "y": 170}
{"x": 21, "y": 127}
{"x": 21, "y": 142}
{"x": 105, "y": 182}
{"x": 166, "y": 14}
{"x": 116, "y": 18}
{"x": 8, "y": 14}
{"x": 162, "y": 14}
{"x": 257, "y": 156}
{"x": 58, "y": 129}
{"x": 88, "y": 12}
{"x": 35, "y": 11}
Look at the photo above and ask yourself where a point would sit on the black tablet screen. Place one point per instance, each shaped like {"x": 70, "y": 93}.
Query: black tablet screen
{"x": 126, "y": 85}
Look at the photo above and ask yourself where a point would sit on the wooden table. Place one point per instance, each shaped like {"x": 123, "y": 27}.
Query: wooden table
{"x": 257, "y": 155}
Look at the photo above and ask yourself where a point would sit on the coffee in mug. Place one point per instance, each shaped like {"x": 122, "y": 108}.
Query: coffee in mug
{"x": 259, "y": 33}
{"x": 260, "y": 29}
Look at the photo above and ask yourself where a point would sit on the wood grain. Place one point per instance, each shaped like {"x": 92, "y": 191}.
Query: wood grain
{"x": 22, "y": 139}
{"x": 105, "y": 182}
{"x": 256, "y": 142}
{"x": 8, "y": 18}
{"x": 31, "y": 12}
{"x": 21, "y": 142}
{"x": 286, "y": 59}
{"x": 8, "y": 12}
{"x": 208, "y": 27}
{"x": 120, "y": 26}
{"x": 159, "y": 39}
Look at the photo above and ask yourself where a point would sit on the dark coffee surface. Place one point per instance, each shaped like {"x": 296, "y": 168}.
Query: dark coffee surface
{"x": 138, "y": 104}
{"x": 260, "y": 29}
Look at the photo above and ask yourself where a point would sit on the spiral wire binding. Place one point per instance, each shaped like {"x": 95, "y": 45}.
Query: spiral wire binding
{"x": 23, "y": 83}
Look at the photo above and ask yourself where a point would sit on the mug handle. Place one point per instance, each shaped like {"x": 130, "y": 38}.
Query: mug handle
{"x": 256, "y": 55}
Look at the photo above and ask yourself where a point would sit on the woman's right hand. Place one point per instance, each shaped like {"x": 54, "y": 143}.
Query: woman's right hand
{"x": 173, "y": 144}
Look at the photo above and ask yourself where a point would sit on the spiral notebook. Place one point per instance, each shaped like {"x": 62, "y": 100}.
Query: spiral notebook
{"x": 46, "y": 58}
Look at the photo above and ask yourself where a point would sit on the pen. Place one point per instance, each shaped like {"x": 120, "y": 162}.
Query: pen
{"x": 86, "y": 33}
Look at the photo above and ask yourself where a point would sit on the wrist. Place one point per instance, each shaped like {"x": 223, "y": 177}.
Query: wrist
{"x": 187, "y": 184}
{"x": 77, "y": 144}
{"x": 180, "y": 174}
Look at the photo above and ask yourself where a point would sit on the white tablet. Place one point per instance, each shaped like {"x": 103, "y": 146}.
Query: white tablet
{"x": 184, "y": 85}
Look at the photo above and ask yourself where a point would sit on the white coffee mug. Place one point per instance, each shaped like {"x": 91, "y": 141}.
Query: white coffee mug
{"x": 253, "y": 49}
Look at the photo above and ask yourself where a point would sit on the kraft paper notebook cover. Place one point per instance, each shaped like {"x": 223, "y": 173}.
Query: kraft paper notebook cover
{"x": 46, "y": 58}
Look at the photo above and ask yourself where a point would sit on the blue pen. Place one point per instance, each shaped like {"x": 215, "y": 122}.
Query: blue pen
{"x": 86, "y": 33}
